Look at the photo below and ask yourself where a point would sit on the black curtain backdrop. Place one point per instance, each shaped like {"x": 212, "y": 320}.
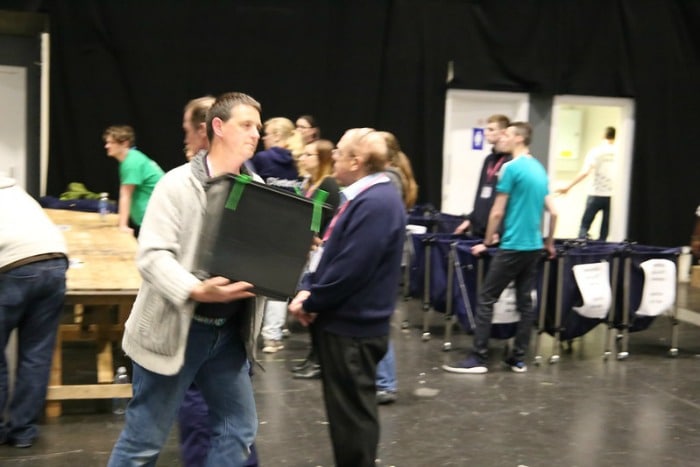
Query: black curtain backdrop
{"x": 377, "y": 63}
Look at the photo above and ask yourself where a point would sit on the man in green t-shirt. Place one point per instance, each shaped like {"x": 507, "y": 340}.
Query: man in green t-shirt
{"x": 138, "y": 174}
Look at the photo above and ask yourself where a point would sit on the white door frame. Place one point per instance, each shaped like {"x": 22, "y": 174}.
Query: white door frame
{"x": 458, "y": 189}
{"x": 624, "y": 140}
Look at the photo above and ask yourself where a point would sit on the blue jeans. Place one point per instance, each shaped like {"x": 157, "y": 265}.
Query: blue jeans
{"x": 506, "y": 266}
{"x": 386, "y": 371}
{"x": 215, "y": 359}
{"x": 593, "y": 205}
{"x": 31, "y": 301}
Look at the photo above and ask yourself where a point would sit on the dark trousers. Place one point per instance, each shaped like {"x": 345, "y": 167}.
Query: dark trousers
{"x": 195, "y": 428}
{"x": 593, "y": 205}
{"x": 506, "y": 266}
{"x": 137, "y": 228}
{"x": 196, "y": 431}
{"x": 349, "y": 368}
{"x": 313, "y": 350}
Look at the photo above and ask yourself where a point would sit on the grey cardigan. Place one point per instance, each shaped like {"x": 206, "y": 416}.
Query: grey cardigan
{"x": 155, "y": 335}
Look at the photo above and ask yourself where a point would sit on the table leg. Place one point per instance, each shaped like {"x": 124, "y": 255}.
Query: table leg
{"x": 53, "y": 409}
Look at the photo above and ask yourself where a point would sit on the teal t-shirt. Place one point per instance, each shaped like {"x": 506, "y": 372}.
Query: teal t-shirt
{"x": 138, "y": 170}
{"x": 525, "y": 182}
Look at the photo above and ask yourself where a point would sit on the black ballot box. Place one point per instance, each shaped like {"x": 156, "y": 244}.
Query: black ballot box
{"x": 256, "y": 233}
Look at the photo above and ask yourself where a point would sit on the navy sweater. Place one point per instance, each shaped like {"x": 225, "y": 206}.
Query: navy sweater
{"x": 479, "y": 217}
{"x": 356, "y": 282}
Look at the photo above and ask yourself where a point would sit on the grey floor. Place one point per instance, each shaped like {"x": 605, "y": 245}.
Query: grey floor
{"x": 581, "y": 412}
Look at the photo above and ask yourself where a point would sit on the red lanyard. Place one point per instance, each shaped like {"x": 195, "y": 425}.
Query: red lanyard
{"x": 492, "y": 169}
{"x": 331, "y": 226}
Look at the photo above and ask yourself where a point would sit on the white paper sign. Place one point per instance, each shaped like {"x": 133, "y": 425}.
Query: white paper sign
{"x": 505, "y": 309}
{"x": 659, "y": 290}
{"x": 593, "y": 281}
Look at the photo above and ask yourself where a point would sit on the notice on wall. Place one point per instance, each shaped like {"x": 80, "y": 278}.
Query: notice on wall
{"x": 659, "y": 291}
{"x": 477, "y": 139}
{"x": 593, "y": 281}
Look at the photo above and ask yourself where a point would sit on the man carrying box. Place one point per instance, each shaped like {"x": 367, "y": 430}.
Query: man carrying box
{"x": 183, "y": 329}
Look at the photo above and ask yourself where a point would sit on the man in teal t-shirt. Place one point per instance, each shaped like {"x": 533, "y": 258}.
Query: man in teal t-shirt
{"x": 521, "y": 199}
{"x": 137, "y": 176}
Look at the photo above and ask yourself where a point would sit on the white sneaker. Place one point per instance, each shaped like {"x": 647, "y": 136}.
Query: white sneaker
{"x": 272, "y": 346}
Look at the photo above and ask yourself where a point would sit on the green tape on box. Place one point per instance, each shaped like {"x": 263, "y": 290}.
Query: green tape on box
{"x": 319, "y": 198}
{"x": 237, "y": 191}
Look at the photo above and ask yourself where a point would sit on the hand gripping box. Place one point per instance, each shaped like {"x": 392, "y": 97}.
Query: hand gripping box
{"x": 256, "y": 233}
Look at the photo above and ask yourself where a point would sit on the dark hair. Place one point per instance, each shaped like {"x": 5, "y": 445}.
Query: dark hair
{"x": 523, "y": 129}
{"x": 610, "y": 132}
{"x": 120, "y": 134}
{"x": 224, "y": 104}
{"x": 310, "y": 119}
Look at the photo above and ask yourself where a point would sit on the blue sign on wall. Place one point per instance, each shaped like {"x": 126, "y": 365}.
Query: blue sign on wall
{"x": 477, "y": 139}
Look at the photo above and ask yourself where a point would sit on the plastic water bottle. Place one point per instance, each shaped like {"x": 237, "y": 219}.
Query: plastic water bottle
{"x": 119, "y": 403}
{"x": 103, "y": 205}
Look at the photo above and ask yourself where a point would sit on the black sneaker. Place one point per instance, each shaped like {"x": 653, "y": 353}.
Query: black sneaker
{"x": 473, "y": 365}
{"x": 385, "y": 397}
{"x": 516, "y": 364}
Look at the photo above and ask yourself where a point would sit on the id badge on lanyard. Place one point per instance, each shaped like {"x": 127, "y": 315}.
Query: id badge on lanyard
{"x": 315, "y": 258}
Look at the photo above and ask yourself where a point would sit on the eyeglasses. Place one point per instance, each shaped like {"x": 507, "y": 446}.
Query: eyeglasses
{"x": 302, "y": 127}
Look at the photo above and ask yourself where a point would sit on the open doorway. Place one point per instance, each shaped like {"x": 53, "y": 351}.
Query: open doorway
{"x": 464, "y": 144}
{"x": 578, "y": 125}
{"x": 13, "y": 131}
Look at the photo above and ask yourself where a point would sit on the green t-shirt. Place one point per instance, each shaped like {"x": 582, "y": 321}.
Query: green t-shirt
{"x": 138, "y": 170}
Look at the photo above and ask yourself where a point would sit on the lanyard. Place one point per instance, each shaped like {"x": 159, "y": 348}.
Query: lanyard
{"x": 492, "y": 169}
{"x": 339, "y": 212}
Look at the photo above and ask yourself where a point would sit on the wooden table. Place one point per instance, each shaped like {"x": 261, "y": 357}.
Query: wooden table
{"x": 102, "y": 272}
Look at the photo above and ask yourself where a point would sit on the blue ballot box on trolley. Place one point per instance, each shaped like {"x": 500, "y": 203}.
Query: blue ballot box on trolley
{"x": 648, "y": 279}
{"x": 258, "y": 233}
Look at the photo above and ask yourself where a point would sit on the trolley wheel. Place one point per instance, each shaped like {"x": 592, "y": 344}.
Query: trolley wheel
{"x": 405, "y": 324}
{"x": 447, "y": 346}
{"x": 673, "y": 352}
{"x": 554, "y": 359}
{"x": 425, "y": 337}
{"x": 606, "y": 355}
{"x": 622, "y": 355}
{"x": 426, "y": 306}
{"x": 538, "y": 360}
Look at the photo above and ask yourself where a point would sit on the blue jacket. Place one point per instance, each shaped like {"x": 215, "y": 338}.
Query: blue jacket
{"x": 355, "y": 285}
{"x": 277, "y": 163}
